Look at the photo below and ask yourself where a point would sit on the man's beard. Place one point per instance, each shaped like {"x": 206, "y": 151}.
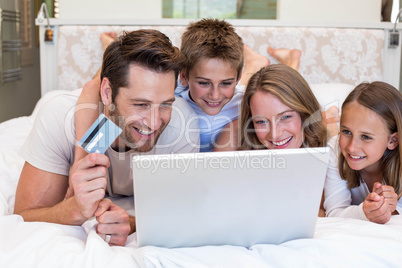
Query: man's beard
{"x": 144, "y": 145}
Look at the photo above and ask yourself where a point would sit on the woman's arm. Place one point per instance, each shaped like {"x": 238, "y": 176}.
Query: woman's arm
{"x": 228, "y": 139}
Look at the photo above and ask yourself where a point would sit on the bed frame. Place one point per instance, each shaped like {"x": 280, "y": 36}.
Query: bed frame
{"x": 332, "y": 52}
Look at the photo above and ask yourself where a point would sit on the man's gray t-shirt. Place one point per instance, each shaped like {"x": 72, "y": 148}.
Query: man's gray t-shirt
{"x": 51, "y": 144}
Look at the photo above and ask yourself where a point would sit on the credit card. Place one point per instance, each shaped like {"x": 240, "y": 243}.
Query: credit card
{"x": 100, "y": 135}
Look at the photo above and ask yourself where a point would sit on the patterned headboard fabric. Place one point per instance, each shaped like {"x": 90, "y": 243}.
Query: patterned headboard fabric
{"x": 329, "y": 55}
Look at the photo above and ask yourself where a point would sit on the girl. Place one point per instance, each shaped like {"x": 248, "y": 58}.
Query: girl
{"x": 367, "y": 182}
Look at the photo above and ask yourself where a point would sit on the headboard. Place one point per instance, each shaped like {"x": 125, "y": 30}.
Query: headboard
{"x": 331, "y": 53}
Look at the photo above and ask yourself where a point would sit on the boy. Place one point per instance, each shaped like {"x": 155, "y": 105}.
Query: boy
{"x": 212, "y": 68}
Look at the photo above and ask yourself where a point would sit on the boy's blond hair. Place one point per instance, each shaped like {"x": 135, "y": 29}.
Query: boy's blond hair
{"x": 212, "y": 39}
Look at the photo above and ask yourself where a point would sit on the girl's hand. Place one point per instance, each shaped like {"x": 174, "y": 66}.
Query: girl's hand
{"x": 376, "y": 208}
{"x": 388, "y": 193}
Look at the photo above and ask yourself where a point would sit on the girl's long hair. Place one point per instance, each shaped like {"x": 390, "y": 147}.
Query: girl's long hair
{"x": 386, "y": 101}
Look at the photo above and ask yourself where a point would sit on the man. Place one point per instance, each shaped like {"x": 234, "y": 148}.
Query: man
{"x": 138, "y": 79}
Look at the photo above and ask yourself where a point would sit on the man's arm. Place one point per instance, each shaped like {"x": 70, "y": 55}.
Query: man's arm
{"x": 40, "y": 197}
{"x": 40, "y": 194}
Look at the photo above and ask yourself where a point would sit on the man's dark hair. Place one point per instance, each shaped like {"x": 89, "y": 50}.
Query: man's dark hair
{"x": 147, "y": 48}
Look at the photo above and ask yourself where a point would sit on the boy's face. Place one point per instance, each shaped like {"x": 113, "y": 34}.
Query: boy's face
{"x": 212, "y": 84}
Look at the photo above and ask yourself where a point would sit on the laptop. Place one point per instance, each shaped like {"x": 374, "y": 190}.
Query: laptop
{"x": 239, "y": 198}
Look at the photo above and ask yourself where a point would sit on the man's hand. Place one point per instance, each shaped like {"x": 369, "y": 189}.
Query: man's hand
{"x": 88, "y": 179}
{"x": 376, "y": 208}
{"x": 113, "y": 221}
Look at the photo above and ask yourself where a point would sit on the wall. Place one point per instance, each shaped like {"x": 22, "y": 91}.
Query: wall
{"x": 19, "y": 98}
{"x": 324, "y": 10}
{"x": 330, "y": 10}
{"x": 400, "y": 86}
{"x": 120, "y": 9}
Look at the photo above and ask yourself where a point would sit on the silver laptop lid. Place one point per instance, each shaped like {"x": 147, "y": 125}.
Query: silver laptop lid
{"x": 237, "y": 198}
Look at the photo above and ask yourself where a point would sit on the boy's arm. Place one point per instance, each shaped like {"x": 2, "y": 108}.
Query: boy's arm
{"x": 86, "y": 112}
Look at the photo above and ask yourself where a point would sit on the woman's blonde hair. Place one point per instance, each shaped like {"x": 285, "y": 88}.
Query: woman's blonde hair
{"x": 291, "y": 89}
{"x": 386, "y": 101}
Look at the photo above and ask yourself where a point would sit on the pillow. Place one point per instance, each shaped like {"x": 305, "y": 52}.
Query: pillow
{"x": 331, "y": 94}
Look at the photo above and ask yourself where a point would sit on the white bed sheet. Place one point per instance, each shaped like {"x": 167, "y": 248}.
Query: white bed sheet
{"x": 337, "y": 242}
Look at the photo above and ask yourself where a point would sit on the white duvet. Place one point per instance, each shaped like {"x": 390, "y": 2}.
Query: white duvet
{"x": 337, "y": 242}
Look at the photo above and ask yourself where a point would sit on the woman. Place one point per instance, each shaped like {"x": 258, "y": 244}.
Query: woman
{"x": 278, "y": 111}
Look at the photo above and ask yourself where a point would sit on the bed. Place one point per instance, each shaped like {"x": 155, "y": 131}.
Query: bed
{"x": 337, "y": 242}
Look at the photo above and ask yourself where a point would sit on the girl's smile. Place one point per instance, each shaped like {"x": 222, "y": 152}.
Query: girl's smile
{"x": 363, "y": 137}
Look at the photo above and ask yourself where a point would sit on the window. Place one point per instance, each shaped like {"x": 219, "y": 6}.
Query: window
{"x": 222, "y": 9}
